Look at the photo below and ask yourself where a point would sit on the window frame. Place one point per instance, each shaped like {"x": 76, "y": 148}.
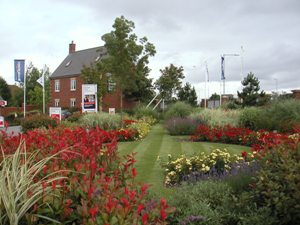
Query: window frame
{"x": 56, "y": 102}
{"x": 73, "y": 84}
{"x": 57, "y": 85}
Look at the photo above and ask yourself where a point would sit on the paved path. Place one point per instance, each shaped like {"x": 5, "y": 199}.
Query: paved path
{"x": 13, "y": 130}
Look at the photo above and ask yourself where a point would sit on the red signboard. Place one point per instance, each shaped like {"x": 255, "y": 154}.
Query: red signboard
{"x": 3, "y": 103}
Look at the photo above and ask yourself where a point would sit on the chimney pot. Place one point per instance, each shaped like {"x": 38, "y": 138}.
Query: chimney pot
{"x": 72, "y": 47}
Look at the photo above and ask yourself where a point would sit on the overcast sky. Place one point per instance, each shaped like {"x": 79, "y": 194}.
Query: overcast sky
{"x": 185, "y": 33}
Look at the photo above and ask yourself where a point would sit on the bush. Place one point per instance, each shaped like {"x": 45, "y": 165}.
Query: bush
{"x": 178, "y": 109}
{"x": 37, "y": 121}
{"x": 75, "y": 117}
{"x": 141, "y": 112}
{"x": 277, "y": 183}
{"x": 182, "y": 126}
{"x": 254, "y": 118}
{"x": 218, "y": 117}
{"x": 103, "y": 120}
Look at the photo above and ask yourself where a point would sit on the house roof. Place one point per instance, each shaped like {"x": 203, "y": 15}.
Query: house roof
{"x": 74, "y": 62}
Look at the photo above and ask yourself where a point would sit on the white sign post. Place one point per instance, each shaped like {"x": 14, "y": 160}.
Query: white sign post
{"x": 55, "y": 112}
{"x": 89, "y": 98}
{"x": 2, "y": 122}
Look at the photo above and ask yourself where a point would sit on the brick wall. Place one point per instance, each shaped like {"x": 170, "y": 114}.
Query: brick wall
{"x": 111, "y": 100}
{"x": 66, "y": 94}
{"x": 296, "y": 94}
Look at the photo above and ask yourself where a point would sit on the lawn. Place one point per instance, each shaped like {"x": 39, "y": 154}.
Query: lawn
{"x": 159, "y": 143}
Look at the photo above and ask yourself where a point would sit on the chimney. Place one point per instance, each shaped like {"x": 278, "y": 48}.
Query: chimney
{"x": 72, "y": 47}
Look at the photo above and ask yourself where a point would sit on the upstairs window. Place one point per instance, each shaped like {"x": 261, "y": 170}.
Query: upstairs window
{"x": 73, "y": 84}
{"x": 57, "y": 86}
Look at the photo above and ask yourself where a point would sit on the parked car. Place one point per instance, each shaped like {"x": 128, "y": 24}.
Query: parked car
{"x": 65, "y": 114}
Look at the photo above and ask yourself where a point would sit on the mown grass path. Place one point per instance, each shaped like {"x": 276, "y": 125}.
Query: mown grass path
{"x": 159, "y": 143}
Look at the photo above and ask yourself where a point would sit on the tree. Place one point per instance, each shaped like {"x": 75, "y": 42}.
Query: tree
{"x": 34, "y": 91}
{"x": 187, "y": 94}
{"x": 170, "y": 81}
{"x": 214, "y": 96}
{"x": 250, "y": 94}
{"x": 4, "y": 90}
{"x": 127, "y": 60}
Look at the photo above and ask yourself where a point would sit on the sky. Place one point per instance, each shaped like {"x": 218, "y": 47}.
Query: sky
{"x": 186, "y": 33}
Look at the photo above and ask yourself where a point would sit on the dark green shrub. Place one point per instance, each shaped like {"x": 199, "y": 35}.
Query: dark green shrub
{"x": 37, "y": 121}
{"x": 277, "y": 183}
{"x": 13, "y": 119}
{"x": 178, "y": 109}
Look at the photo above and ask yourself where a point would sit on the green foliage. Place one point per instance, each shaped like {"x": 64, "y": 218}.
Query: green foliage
{"x": 103, "y": 120}
{"x": 250, "y": 94}
{"x": 178, "y": 109}
{"x": 4, "y": 90}
{"x": 279, "y": 115}
{"x": 231, "y": 104}
{"x": 187, "y": 94}
{"x": 75, "y": 117}
{"x": 214, "y": 96}
{"x": 142, "y": 111}
{"x": 218, "y": 117}
{"x": 127, "y": 59}
{"x": 251, "y": 118}
{"x": 169, "y": 81}
{"x": 141, "y": 127}
{"x": 34, "y": 90}
{"x": 277, "y": 183}
{"x": 37, "y": 121}
{"x": 182, "y": 126}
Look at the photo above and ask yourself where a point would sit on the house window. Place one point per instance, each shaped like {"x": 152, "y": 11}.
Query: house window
{"x": 56, "y": 102}
{"x": 73, "y": 84}
{"x": 57, "y": 86}
{"x": 72, "y": 102}
{"x": 110, "y": 84}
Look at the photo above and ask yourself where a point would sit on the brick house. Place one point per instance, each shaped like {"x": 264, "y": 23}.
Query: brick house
{"x": 66, "y": 83}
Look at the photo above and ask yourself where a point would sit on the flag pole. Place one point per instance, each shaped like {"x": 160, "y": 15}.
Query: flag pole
{"x": 24, "y": 104}
{"x": 43, "y": 77}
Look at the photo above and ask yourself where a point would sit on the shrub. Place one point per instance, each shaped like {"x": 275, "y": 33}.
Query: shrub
{"x": 283, "y": 115}
{"x": 75, "y": 117}
{"x": 142, "y": 111}
{"x": 141, "y": 127}
{"x": 218, "y": 117}
{"x": 181, "y": 126}
{"x": 101, "y": 188}
{"x": 37, "y": 121}
{"x": 213, "y": 202}
{"x": 178, "y": 109}
{"x": 277, "y": 183}
{"x": 103, "y": 120}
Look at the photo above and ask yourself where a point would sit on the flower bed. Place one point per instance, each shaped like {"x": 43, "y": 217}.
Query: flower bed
{"x": 99, "y": 189}
{"x": 215, "y": 164}
{"x": 258, "y": 140}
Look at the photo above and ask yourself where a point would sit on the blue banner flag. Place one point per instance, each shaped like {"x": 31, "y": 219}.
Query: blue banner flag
{"x": 222, "y": 68}
{"x": 19, "y": 70}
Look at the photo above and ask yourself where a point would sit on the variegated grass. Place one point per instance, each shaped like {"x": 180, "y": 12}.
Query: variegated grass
{"x": 19, "y": 177}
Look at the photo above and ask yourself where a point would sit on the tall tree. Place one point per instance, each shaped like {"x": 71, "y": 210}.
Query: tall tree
{"x": 169, "y": 81}
{"x": 34, "y": 90}
{"x": 127, "y": 60}
{"x": 4, "y": 90}
{"x": 214, "y": 96}
{"x": 187, "y": 94}
{"x": 250, "y": 94}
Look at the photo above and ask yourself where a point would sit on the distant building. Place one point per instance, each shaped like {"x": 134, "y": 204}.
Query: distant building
{"x": 296, "y": 94}
{"x": 66, "y": 82}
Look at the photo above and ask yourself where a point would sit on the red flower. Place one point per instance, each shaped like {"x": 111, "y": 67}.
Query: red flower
{"x": 140, "y": 208}
{"x": 163, "y": 214}
{"x": 93, "y": 211}
{"x": 244, "y": 154}
{"x": 133, "y": 172}
{"x": 145, "y": 218}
